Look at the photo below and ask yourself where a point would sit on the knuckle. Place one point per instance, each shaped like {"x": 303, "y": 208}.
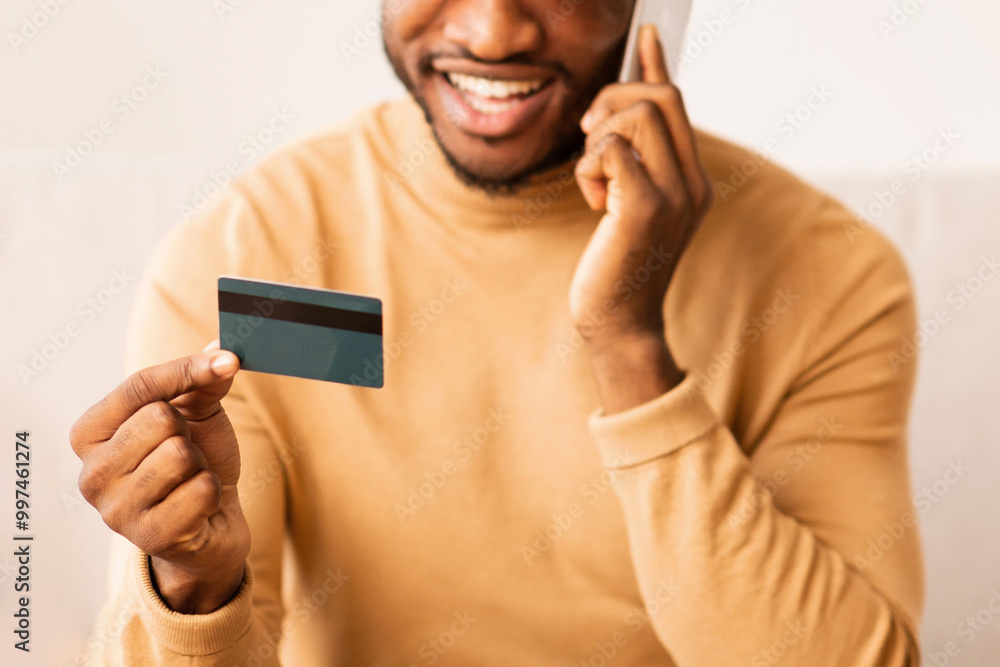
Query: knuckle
{"x": 182, "y": 451}
{"x": 592, "y": 158}
{"x": 210, "y": 490}
{"x": 164, "y": 414}
{"x": 156, "y": 422}
{"x": 671, "y": 95}
{"x": 89, "y": 489}
{"x": 93, "y": 481}
{"x": 614, "y": 142}
{"x": 186, "y": 369}
{"x": 78, "y": 436}
{"x": 139, "y": 387}
{"x": 148, "y": 536}
{"x": 676, "y": 201}
{"x": 585, "y": 168}
{"x": 698, "y": 198}
{"x": 616, "y": 122}
{"x": 646, "y": 207}
{"x": 116, "y": 518}
{"x": 648, "y": 111}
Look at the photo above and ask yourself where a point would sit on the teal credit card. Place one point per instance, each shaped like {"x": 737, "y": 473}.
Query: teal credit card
{"x": 302, "y": 331}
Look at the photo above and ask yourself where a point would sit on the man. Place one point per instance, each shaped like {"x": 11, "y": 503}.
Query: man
{"x": 569, "y": 463}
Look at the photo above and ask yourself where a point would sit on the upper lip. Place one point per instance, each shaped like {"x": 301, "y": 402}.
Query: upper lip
{"x": 502, "y": 72}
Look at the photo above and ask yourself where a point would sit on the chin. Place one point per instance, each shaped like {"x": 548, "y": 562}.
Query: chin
{"x": 505, "y": 166}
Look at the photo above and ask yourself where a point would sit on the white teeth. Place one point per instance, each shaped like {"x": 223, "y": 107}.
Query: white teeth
{"x": 489, "y": 107}
{"x": 492, "y": 89}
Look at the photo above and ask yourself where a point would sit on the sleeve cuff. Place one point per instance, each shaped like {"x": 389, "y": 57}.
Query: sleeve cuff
{"x": 654, "y": 429}
{"x": 193, "y": 634}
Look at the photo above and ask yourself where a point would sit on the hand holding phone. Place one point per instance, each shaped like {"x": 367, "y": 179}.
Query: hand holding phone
{"x": 642, "y": 167}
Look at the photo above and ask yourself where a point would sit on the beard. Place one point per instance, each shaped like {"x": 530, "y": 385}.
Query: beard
{"x": 562, "y": 151}
{"x": 567, "y": 144}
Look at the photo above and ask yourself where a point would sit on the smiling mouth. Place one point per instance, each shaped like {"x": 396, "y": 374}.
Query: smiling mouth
{"x": 493, "y": 96}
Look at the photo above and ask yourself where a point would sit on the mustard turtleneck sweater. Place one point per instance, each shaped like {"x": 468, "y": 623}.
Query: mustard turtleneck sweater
{"x": 480, "y": 509}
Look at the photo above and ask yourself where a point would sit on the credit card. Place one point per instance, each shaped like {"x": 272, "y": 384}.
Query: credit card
{"x": 305, "y": 332}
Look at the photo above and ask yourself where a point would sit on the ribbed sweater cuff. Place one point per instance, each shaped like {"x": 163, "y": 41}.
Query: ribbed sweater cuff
{"x": 193, "y": 634}
{"x": 653, "y": 429}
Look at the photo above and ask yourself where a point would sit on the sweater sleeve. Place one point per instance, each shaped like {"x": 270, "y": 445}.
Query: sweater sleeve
{"x": 801, "y": 546}
{"x": 175, "y": 315}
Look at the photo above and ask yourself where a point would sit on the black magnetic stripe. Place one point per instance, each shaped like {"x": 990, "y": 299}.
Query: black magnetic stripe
{"x": 303, "y": 313}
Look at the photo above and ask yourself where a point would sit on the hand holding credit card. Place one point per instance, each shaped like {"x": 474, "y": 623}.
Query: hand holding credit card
{"x": 304, "y": 332}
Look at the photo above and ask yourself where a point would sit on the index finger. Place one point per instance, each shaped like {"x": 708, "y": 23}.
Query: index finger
{"x": 163, "y": 382}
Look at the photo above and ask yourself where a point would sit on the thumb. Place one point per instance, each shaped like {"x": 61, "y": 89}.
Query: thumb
{"x": 654, "y": 62}
{"x": 203, "y": 401}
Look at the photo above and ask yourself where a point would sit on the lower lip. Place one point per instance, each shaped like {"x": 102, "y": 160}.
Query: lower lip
{"x": 506, "y": 123}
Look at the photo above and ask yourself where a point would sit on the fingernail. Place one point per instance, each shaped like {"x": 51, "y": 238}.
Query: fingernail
{"x": 224, "y": 364}
{"x": 586, "y": 120}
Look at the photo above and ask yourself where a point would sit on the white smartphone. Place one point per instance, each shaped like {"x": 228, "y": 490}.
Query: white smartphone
{"x": 670, "y": 18}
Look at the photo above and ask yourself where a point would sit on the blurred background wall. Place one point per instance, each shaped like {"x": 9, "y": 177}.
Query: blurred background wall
{"x": 171, "y": 94}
